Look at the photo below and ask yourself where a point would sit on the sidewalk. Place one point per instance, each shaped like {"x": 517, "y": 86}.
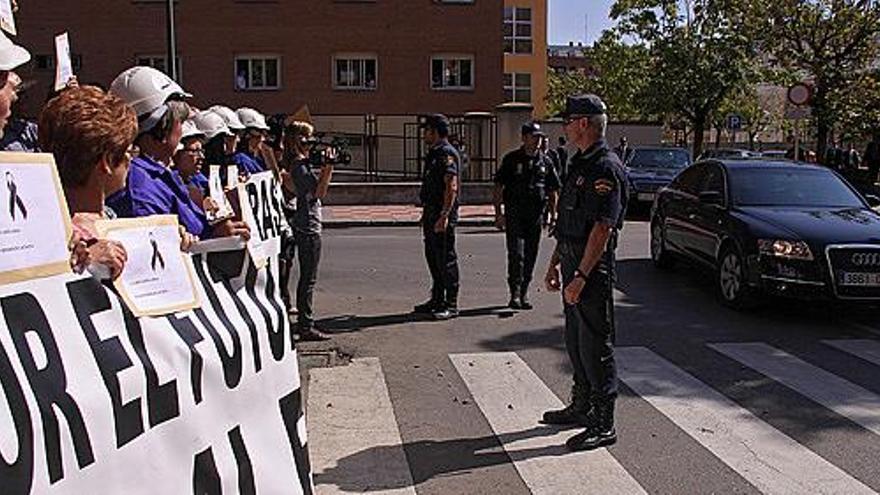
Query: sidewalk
{"x": 399, "y": 216}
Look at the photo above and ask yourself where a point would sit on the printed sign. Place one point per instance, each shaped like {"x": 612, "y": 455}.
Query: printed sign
{"x": 63, "y": 62}
{"x": 7, "y": 17}
{"x": 260, "y": 202}
{"x": 35, "y": 226}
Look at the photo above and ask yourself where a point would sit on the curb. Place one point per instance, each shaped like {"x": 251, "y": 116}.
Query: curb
{"x": 342, "y": 224}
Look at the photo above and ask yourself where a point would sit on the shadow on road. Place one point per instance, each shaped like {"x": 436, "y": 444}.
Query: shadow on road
{"x": 356, "y": 323}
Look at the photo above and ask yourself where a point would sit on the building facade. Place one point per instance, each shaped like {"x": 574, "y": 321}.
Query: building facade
{"x": 525, "y": 53}
{"x": 337, "y": 56}
{"x": 570, "y": 58}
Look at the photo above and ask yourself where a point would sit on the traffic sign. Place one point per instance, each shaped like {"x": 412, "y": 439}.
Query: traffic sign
{"x": 800, "y": 94}
{"x": 734, "y": 122}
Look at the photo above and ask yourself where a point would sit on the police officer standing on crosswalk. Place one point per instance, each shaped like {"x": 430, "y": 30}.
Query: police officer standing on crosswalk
{"x": 591, "y": 212}
{"x": 526, "y": 184}
{"x": 439, "y": 197}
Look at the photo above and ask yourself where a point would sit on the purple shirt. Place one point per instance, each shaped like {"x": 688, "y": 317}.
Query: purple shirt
{"x": 154, "y": 189}
{"x": 248, "y": 164}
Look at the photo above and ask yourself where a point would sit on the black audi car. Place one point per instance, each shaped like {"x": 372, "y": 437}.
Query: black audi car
{"x": 650, "y": 168}
{"x": 775, "y": 227}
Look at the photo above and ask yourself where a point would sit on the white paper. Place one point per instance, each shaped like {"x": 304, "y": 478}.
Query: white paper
{"x": 156, "y": 276}
{"x": 7, "y": 18}
{"x": 33, "y": 231}
{"x": 216, "y": 192}
{"x": 63, "y": 62}
{"x": 260, "y": 202}
{"x": 231, "y": 176}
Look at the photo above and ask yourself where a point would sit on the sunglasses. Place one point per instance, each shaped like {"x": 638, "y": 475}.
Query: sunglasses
{"x": 572, "y": 118}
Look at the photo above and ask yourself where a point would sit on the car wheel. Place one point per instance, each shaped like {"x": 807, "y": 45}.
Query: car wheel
{"x": 659, "y": 255}
{"x": 733, "y": 287}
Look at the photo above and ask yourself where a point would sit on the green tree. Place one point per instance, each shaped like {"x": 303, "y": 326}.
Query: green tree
{"x": 619, "y": 74}
{"x": 698, "y": 55}
{"x": 831, "y": 43}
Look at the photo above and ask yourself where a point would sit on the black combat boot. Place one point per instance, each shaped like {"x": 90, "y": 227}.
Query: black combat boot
{"x": 427, "y": 307}
{"x": 578, "y": 412}
{"x": 448, "y": 310}
{"x": 524, "y": 302}
{"x": 599, "y": 434}
{"x": 515, "y": 300}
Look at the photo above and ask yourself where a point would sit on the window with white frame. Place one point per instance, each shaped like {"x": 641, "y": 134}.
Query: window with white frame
{"x": 355, "y": 72}
{"x": 518, "y": 87}
{"x": 452, "y": 72}
{"x": 257, "y": 72}
{"x": 518, "y": 30}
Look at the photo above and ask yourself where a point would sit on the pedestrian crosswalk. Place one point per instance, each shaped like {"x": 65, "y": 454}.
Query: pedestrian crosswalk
{"x": 356, "y": 444}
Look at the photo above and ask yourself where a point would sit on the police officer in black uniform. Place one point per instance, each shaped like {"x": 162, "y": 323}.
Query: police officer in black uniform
{"x": 591, "y": 212}
{"x": 439, "y": 197}
{"x": 526, "y": 183}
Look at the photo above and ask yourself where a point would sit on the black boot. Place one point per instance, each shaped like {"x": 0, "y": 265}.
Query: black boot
{"x": 524, "y": 302}
{"x": 578, "y": 412}
{"x": 599, "y": 434}
{"x": 447, "y": 312}
{"x": 427, "y": 307}
{"x": 515, "y": 301}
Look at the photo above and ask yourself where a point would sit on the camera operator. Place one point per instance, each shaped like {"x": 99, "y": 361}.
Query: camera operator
{"x": 300, "y": 153}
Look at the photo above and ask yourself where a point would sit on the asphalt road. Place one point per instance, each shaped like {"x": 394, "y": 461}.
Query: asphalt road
{"x": 783, "y": 399}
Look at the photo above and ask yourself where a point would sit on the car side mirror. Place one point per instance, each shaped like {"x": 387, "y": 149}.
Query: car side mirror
{"x": 873, "y": 201}
{"x": 712, "y": 198}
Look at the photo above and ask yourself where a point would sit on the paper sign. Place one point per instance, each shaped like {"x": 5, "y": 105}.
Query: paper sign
{"x": 232, "y": 176}
{"x": 35, "y": 226}
{"x": 260, "y": 200}
{"x": 63, "y": 62}
{"x": 216, "y": 192}
{"x": 7, "y": 17}
{"x": 157, "y": 278}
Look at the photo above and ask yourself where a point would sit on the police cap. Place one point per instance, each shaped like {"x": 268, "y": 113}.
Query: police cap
{"x": 532, "y": 128}
{"x": 583, "y": 105}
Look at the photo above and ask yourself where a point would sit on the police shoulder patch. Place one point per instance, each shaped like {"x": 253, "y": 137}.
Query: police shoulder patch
{"x": 450, "y": 160}
{"x": 603, "y": 186}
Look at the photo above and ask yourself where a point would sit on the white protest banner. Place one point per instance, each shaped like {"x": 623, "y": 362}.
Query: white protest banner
{"x": 7, "y": 17}
{"x": 63, "y": 62}
{"x": 35, "y": 224}
{"x": 94, "y": 400}
{"x": 232, "y": 176}
{"x": 157, "y": 278}
{"x": 260, "y": 203}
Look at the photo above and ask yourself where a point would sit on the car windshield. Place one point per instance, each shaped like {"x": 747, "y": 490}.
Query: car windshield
{"x": 790, "y": 186}
{"x": 670, "y": 159}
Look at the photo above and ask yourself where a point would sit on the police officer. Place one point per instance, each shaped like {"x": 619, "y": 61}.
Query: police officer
{"x": 526, "y": 183}
{"x": 591, "y": 211}
{"x": 439, "y": 197}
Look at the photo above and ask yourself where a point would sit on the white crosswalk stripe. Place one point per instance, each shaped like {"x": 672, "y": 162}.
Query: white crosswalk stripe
{"x": 512, "y": 398}
{"x": 767, "y": 458}
{"x": 356, "y": 446}
{"x": 841, "y": 396}
{"x": 350, "y": 417}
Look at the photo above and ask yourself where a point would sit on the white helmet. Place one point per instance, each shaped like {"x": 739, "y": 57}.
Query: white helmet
{"x": 229, "y": 116}
{"x": 252, "y": 119}
{"x": 146, "y": 90}
{"x": 11, "y": 55}
{"x": 190, "y": 129}
{"x": 211, "y": 124}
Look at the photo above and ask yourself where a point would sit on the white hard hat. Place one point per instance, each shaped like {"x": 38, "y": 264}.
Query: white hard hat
{"x": 252, "y": 119}
{"x": 146, "y": 90}
{"x": 190, "y": 129}
{"x": 11, "y": 55}
{"x": 229, "y": 116}
{"x": 211, "y": 124}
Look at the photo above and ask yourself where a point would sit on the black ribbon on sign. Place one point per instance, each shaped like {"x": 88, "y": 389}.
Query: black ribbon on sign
{"x": 14, "y": 198}
{"x": 157, "y": 256}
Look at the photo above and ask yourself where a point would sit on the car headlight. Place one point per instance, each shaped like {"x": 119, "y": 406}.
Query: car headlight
{"x": 780, "y": 248}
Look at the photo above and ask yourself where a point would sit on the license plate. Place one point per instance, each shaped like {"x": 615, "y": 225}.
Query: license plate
{"x": 860, "y": 279}
{"x": 645, "y": 196}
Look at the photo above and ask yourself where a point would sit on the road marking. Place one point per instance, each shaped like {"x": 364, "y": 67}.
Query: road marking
{"x": 354, "y": 441}
{"x": 869, "y": 350}
{"x": 513, "y": 398}
{"x": 764, "y": 456}
{"x": 835, "y": 393}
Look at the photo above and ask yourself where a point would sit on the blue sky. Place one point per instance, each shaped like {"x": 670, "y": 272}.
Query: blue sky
{"x": 567, "y": 20}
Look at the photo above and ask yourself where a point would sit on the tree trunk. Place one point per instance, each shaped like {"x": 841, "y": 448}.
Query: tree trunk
{"x": 823, "y": 122}
{"x": 717, "y": 137}
{"x": 699, "y": 131}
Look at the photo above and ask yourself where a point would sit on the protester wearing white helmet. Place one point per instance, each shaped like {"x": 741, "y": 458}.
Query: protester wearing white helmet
{"x": 249, "y": 157}
{"x": 221, "y": 141}
{"x": 229, "y": 116}
{"x": 188, "y": 162}
{"x": 12, "y": 56}
{"x": 153, "y": 188}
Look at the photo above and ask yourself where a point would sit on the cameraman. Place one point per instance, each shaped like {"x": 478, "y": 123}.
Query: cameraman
{"x": 310, "y": 189}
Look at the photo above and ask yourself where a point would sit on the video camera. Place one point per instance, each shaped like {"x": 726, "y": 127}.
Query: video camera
{"x": 319, "y": 146}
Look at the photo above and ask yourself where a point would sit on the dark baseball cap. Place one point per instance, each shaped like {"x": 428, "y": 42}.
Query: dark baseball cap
{"x": 533, "y": 128}
{"x": 585, "y": 105}
{"x": 436, "y": 121}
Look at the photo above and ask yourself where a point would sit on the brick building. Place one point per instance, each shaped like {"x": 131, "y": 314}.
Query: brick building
{"x": 570, "y": 58}
{"x": 337, "y": 56}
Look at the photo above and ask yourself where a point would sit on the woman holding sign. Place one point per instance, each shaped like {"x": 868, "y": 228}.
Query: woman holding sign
{"x": 249, "y": 156}
{"x": 153, "y": 189}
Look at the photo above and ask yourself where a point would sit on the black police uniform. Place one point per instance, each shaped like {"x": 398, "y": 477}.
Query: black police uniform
{"x": 441, "y": 160}
{"x": 527, "y": 182}
{"x": 595, "y": 191}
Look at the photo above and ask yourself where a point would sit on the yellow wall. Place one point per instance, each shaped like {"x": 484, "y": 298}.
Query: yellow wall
{"x": 536, "y": 63}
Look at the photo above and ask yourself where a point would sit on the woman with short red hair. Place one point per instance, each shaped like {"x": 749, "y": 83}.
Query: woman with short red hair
{"x": 90, "y": 133}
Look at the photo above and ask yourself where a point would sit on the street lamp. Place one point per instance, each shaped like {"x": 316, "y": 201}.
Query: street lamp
{"x": 172, "y": 40}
